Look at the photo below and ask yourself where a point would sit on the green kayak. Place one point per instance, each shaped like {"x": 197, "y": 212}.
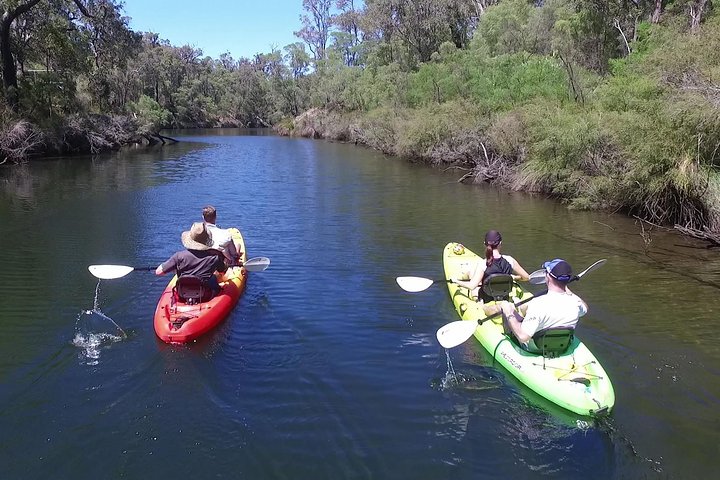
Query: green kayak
{"x": 573, "y": 379}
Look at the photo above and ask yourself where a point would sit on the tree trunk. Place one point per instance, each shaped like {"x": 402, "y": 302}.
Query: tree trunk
{"x": 655, "y": 18}
{"x": 697, "y": 9}
{"x": 9, "y": 68}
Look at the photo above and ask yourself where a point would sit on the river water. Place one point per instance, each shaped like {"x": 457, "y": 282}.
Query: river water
{"x": 327, "y": 369}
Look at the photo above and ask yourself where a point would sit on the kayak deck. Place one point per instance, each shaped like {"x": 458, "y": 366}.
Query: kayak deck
{"x": 178, "y": 322}
{"x": 574, "y": 380}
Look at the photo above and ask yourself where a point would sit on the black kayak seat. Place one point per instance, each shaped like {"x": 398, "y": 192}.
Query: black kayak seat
{"x": 551, "y": 342}
{"x": 498, "y": 286}
{"x": 191, "y": 289}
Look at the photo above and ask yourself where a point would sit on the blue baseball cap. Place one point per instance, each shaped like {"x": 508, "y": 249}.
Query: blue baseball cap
{"x": 559, "y": 269}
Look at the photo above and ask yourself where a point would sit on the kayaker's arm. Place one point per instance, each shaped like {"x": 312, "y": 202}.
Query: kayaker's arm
{"x": 514, "y": 320}
{"x": 159, "y": 270}
{"x": 519, "y": 273}
{"x": 474, "y": 282}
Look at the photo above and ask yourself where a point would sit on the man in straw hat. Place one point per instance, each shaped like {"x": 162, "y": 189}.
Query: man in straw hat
{"x": 199, "y": 258}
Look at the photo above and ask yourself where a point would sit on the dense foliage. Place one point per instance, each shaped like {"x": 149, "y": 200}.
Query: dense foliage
{"x": 606, "y": 104}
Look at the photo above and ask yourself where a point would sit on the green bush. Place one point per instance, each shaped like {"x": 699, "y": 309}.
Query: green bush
{"x": 150, "y": 115}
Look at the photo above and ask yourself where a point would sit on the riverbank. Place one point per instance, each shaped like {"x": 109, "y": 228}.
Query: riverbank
{"x": 22, "y": 140}
{"x": 581, "y": 173}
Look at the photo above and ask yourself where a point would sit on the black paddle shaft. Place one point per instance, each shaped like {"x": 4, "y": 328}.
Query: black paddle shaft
{"x": 539, "y": 294}
{"x": 497, "y": 314}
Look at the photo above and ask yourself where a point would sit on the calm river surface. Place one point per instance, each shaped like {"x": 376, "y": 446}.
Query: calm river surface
{"x": 326, "y": 369}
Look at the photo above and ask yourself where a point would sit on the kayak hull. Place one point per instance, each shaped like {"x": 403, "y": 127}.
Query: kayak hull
{"x": 574, "y": 380}
{"x": 178, "y": 322}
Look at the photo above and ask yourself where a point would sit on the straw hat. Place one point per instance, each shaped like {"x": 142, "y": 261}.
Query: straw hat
{"x": 197, "y": 238}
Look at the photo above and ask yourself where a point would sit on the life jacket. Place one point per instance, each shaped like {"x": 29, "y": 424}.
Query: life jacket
{"x": 499, "y": 265}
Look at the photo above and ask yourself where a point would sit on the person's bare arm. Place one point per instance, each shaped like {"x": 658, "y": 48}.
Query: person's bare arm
{"x": 474, "y": 281}
{"x": 513, "y": 319}
{"x": 520, "y": 273}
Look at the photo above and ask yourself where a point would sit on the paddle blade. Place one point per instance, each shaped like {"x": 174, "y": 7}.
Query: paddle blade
{"x": 537, "y": 277}
{"x": 257, "y": 264}
{"x": 109, "y": 272}
{"x": 592, "y": 267}
{"x": 455, "y": 333}
{"x": 414, "y": 284}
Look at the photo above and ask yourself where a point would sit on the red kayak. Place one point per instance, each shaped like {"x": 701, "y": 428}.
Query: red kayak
{"x": 180, "y": 322}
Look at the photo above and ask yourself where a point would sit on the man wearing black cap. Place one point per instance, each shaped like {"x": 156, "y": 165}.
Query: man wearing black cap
{"x": 559, "y": 308}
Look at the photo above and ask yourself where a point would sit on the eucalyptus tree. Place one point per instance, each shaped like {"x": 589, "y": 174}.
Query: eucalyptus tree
{"x": 419, "y": 27}
{"x": 347, "y": 39}
{"x": 64, "y": 28}
{"x": 113, "y": 45}
{"x": 147, "y": 66}
{"x": 316, "y": 26}
{"x": 297, "y": 59}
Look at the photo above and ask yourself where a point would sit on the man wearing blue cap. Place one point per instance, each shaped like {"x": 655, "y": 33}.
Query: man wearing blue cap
{"x": 559, "y": 308}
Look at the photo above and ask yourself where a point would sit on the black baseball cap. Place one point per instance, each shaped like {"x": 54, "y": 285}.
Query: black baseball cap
{"x": 493, "y": 237}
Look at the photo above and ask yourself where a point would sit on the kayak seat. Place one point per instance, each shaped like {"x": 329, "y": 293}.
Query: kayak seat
{"x": 551, "y": 342}
{"x": 191, "y": 289}
{"x": 498, "y": 286}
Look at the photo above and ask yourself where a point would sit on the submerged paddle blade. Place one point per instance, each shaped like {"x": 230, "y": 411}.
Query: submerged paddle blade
{"x": 414, "y": 284}
{"x": 109, "y": 272}
{"x": 257, "y": 264}
{"x": 455, "y": 333}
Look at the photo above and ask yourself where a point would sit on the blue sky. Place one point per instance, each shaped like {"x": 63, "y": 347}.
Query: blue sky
{"x": 241, "y": 27}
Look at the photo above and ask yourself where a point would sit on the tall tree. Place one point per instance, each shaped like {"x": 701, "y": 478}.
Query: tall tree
{"x": 421, "y": 26}
{"x": 79, "y": 16}
{"x": 316, "y": 26}
{"x": 348, "y": 38}
{"x": 10, "y": 11}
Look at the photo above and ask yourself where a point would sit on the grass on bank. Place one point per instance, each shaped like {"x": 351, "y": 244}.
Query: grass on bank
{"x": 644, "y": 139}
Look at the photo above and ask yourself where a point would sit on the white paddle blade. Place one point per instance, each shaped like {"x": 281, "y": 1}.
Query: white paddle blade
{"x": 257, "y": 264}
{"x": 537, "y": 277}
{"x": 109, "y": 272}
{"x": 592, "y": 267}
{"x": 455, "y": 333}
{"x": 414, "y": 284}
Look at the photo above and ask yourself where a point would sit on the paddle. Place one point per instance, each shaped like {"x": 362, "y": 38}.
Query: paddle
{"x": 538, "y": 276}
{"x": 455, "y": 333}
{"x": 417, "y": 284}
{"x": 110, "y": 272}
